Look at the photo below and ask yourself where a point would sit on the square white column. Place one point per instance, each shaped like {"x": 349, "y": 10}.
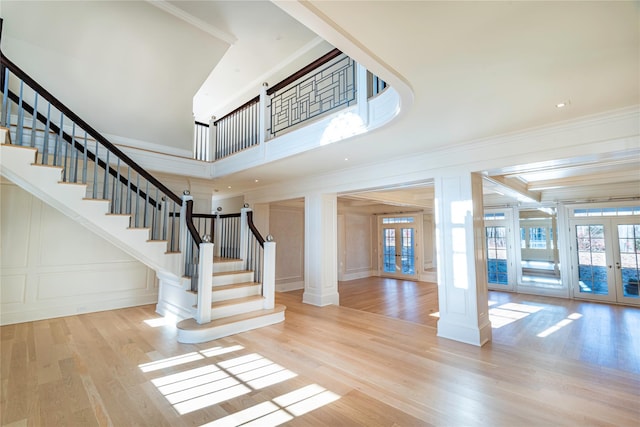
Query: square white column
{"x": 462, "y": 270}
{"x": 321, "y": 249}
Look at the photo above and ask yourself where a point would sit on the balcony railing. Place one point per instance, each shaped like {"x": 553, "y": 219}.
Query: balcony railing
{"x": 325, "y": 86}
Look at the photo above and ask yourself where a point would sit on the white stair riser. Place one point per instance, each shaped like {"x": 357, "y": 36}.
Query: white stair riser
{"x": 232, "y": 310}
{"x": 44, "y": 183}
{"x": 226, "y": 266}
{"x": 204, "y": 335}
{"x": 227, "y": 294}
{"x": 232, "y": 279}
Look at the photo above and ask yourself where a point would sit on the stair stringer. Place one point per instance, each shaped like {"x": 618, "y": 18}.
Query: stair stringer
{"x": 18, "y": 165}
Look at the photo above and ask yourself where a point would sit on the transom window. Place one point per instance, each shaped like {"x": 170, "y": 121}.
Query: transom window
{"x": 398, "y": 220}
{"x": 621, "y": 211}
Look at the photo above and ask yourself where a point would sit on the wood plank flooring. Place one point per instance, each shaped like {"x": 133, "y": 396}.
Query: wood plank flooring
{"x": 329, "y": 366}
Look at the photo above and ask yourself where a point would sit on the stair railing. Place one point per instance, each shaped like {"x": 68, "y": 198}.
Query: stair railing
{"x": 235, "y": 237}
{"x": 330, "y": 83}
{"x": 201, "y": 141}
{"x": 86, "y": 157}
{"x": 63, "y": 139}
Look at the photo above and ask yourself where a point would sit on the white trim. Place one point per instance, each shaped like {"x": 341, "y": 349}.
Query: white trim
{"x": 290, "y": 286}
{"x": 363, "y": 274}
{"x": 190, "y": 19}
{"x": 73, "y": 308}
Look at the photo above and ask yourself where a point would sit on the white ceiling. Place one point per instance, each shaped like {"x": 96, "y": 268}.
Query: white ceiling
{"x": 475, "y": 70}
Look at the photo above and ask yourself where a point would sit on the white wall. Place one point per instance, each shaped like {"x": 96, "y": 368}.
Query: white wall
{"x": 357, "y": 248}
{"x": 126, "y": 67}
{"x": 286, "y": 224}
{"x": 51, "y": 266}
{"x": 229, "y": 205}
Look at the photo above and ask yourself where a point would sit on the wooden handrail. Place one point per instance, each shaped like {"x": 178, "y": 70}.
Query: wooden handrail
{"x": 306, "y": 70}
{"x": 253, "y": 229}
{"x": 189, "y": 221}
{"x": 242, "y": 107}
{"x": 90, "y": 155}
{"x": 90, "y": 130}
{"x": 292, "y": 78}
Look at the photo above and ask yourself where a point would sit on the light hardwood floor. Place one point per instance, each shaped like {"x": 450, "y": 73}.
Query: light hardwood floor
{"x": 331, "y": 366}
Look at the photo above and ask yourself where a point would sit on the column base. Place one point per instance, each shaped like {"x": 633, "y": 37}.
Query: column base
{"x": 470, "y": 335}
{"x": 321, "y": 300}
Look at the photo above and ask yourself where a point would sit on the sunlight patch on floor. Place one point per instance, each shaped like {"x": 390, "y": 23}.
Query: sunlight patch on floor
{"x": 171, "y": 361}
{"x": 510, "y": 312}
{"x": 279, "y": 410}
{"x": 561, "y": 324}
{"x": 197, "y": 388}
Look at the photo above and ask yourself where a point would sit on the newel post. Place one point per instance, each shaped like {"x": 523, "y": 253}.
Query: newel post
{"x": 184, "y": 231}
{"x": 269, "y": 273}
{"x": 244, "y": 234}
{"x": 262, "y": 115}
{"x": 213, "y": 139}
{"x": 205, "y": 283}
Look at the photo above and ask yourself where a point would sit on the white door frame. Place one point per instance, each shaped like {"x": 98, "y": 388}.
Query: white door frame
{"x": 417, "y": 246}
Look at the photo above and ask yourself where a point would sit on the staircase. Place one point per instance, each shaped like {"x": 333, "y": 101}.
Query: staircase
{"x": 70, "y": 166}
{"x": 237, "y": 305}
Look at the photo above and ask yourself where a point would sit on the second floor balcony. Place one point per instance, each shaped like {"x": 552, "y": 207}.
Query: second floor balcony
{"x": 329, "y": 100}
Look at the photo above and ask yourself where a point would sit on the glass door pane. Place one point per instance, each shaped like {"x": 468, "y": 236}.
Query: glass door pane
{"x": 408, "y": 258}
{"x": 592, "y": 259}
{"x": 389, "y": 250}
{"x": 398, "y": 248}
{"x": 628, "y": 266}
{"x": 497, "y": 255}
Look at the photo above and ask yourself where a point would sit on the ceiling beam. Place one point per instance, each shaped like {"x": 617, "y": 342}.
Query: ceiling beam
{"x": 515, "y": 188}
{"x": 196, "y": 22}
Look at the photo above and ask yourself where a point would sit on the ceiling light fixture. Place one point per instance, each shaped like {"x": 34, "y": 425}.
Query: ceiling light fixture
{"x": 563, "y": 104}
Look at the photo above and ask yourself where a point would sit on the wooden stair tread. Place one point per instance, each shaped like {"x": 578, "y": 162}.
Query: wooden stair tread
{"x": 46, "y": 166}
{"x": 235, "y": 286}
{"x": 72, "y": 183}
{"x": 222, "y": 259}
{"x": 191, "y": 324}
{"x": 234, "y": 301}
{"x": 21, "y": 147}
{"x": 225, "y": 273}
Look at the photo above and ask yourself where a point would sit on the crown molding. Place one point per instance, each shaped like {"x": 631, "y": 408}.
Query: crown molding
{"x": 190, "y": 19}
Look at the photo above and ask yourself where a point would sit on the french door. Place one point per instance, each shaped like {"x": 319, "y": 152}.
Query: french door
{"x": 399, "y": 248}
{"x": 606, "y": 259}
{"x": 499, "y": 251}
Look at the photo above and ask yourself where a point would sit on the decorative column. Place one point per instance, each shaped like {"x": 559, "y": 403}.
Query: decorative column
{"x": 320, "y": 249}
{"x": 362, "y": 92}
{"x": 462, "y": 271}
{"x": 263, "y": 109}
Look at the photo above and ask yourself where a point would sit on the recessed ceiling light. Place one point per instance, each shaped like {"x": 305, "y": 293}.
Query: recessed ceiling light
{"x": 229, "y": 187}
{"x": 346, "y": 159}
{"x": 563, "y": 104}
{"x": 256, "y": 180}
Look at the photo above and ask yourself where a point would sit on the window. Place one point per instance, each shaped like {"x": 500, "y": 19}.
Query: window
{"x": 494, "y": 216}
{"x": 398, "y": 220}
{"x": 538, "y": 238}
{"x": 621, "y": 211}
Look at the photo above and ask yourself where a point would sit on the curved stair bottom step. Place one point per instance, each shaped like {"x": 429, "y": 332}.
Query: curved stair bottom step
{"x": 191, "y": 332}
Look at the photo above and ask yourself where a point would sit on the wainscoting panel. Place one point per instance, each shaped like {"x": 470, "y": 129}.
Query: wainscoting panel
{"x": 286, "y": 224}
{"x": 51, "y": 266}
